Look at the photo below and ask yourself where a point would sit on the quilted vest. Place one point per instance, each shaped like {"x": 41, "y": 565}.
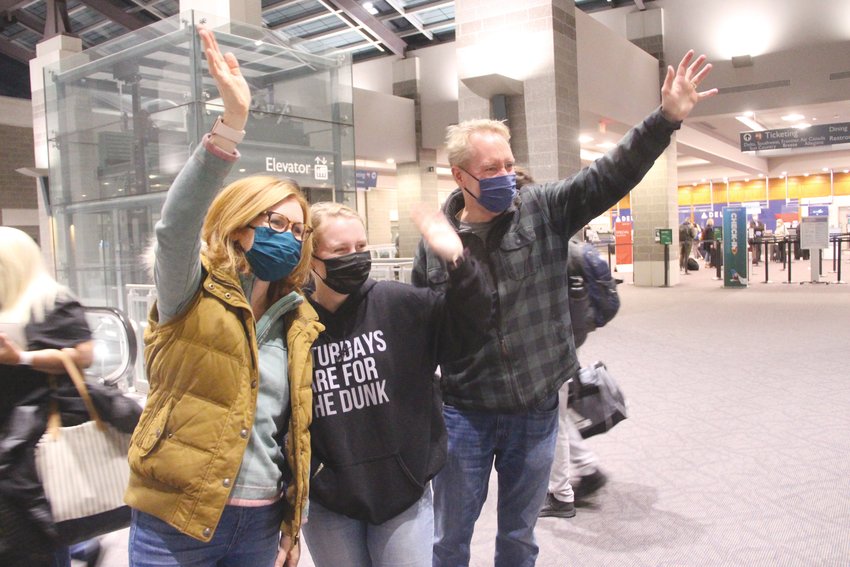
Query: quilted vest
{"x": 203, "y": 372}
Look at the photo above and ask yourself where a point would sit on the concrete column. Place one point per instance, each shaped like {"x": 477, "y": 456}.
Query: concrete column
{"x": 47, "y": 52}
{"x": 505, "y": 47}
{"x": 655, "y": 202}
{"x": 416, "y": 181}
{"x": 245, "y": 11}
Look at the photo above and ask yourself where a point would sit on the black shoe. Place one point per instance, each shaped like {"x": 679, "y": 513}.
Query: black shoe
{"x": 590, "y": 484}
{"x": 557, "y": 509}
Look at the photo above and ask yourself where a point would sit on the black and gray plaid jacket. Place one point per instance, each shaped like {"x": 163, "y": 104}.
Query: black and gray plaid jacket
{"x": 530, "y": 351}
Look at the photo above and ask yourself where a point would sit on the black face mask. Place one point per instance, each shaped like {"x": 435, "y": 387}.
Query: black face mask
{"x": 345, "y": 274}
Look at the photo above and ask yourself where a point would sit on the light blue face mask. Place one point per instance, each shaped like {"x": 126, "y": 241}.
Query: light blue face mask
{"x": 273, "y": 255}
{"x": 497, "y": 193}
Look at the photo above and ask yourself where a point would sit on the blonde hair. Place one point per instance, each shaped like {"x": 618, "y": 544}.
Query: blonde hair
{"x": 234, "y": 208}
{"x": 27, "y": 291}
{"x": 457, "y": 138}
{"x": 320, "y": 212}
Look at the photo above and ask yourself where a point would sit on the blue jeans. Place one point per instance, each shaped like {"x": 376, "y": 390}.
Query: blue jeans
{"x": 245, "y": 537}
{"x": 522, "y": 447}
{"x": 406, "y": 540}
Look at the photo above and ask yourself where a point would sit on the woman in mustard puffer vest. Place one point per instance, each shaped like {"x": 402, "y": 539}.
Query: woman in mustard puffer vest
{"x": 220, "y": 459}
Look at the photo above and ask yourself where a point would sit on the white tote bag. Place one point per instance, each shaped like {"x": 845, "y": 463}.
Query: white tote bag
{"x": 83, "y": 468}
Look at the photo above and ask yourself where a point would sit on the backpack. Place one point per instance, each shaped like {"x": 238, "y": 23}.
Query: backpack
{"x": 601, "y": 286}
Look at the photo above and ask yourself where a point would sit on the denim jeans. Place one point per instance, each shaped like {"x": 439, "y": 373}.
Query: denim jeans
{"x": 522, "y": 447}
{"x": 406, "y": 540}
{"x": 245, "y": 537}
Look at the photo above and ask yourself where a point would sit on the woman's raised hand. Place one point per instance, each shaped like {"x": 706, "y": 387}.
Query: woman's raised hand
{"x": 438, "y": 233}
{"x": 234, "y": 90}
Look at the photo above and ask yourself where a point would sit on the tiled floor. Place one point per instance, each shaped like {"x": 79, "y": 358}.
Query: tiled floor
{"x": 737, "y": 448}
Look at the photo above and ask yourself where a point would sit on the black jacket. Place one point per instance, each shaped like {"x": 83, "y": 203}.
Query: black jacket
{"x": 378, "y": 434}
{"x": 27, "y": 532}
{"x": 529, "y": 351}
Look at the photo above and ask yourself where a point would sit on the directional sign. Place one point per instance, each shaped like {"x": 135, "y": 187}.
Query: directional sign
{"x": 793, "y": 138}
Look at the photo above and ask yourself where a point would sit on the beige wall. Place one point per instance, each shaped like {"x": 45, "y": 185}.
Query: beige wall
{"x": 18, "y": 193}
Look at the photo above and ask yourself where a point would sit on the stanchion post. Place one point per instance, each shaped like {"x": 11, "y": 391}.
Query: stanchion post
{"x": 835, "y": 250}
{"x": 789, "y": 260}
{"x": 839, "y": 261}
{"x": 718, "y": 258}
{"x": 766, "y": 264}
{"x": 666, "y": 265}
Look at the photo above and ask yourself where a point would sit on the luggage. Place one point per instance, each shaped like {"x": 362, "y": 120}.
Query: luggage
{"x": 693, "y": 264}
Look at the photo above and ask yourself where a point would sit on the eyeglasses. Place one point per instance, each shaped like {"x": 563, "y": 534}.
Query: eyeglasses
{"x": 279, "y": 223}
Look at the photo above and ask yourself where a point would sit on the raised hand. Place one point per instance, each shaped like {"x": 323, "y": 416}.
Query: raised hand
{"x": 234, "y": 90}
{"x": 679, "y": 93}
{"x": 438, "y": 233}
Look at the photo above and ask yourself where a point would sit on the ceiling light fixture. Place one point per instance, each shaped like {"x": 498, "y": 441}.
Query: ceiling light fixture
{"x": 748, "y": 119}
{"x": 584, "y": 139}
{"x": 739, "y": 61}
{"x": 793, "y": 117}
{"x": 801, "y": 125}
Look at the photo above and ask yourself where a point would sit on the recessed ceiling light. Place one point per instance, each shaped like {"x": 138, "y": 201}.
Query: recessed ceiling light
{"x": 390, "y": 161}
{"x": 801, "y": 125}
{"x": 792, "y": 117}
{"x": 750, "y": 122}
{"x": 584, "y": 139}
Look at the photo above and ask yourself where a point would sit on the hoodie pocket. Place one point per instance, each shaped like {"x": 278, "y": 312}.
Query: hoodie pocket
{"x": 373, "y": 491}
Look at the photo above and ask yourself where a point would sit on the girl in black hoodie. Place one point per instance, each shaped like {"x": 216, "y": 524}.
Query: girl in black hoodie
{"x": 378, "y": 435}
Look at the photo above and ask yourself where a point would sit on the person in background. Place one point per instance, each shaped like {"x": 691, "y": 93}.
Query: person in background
{"x": 378, "y": 433}
{"x": 755, "y": 232}
{"x": 38, "y": 318}
{"x": 708, "y": 241}
{"x": 500, "y": 402}
{"x": 686, "y": 239}
{"x": 781, "y": 232}
{"x": 220, "y": 459}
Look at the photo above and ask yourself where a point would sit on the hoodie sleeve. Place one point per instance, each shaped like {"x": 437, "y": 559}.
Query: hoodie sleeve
{"x": 466, "y": 311}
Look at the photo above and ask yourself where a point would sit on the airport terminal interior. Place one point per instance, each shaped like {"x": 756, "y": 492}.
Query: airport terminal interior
{"x": 734, "y": 372}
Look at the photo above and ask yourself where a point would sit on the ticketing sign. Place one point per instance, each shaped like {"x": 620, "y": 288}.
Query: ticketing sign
{"x": 795, "y": 138}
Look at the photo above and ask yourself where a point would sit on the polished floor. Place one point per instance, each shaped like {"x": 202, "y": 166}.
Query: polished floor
{"x": 737, "y": 447}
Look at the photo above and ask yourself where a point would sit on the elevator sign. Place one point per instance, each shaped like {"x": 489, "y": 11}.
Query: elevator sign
{"x": 794, "y": 138}
{"x": 318, "y": 170}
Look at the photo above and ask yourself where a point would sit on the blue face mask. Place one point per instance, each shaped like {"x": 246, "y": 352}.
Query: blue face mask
{"x": 497, "y": 193}
{"x": 273, "y": 255}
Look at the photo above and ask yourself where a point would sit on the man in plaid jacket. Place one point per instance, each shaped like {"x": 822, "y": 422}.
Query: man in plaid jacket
{"x": 501, "y": 402}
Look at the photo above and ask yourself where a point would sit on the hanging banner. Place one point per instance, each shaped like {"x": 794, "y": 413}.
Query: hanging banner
{"x": 735, "y": 260}
{"x": 623, "y": 241}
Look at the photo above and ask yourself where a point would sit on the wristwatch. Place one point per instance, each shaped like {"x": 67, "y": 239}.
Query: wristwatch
{"x": 226, "y": 132}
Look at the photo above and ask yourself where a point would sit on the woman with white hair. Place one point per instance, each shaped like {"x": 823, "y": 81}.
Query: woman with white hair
{"x": 38, "y": 318}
